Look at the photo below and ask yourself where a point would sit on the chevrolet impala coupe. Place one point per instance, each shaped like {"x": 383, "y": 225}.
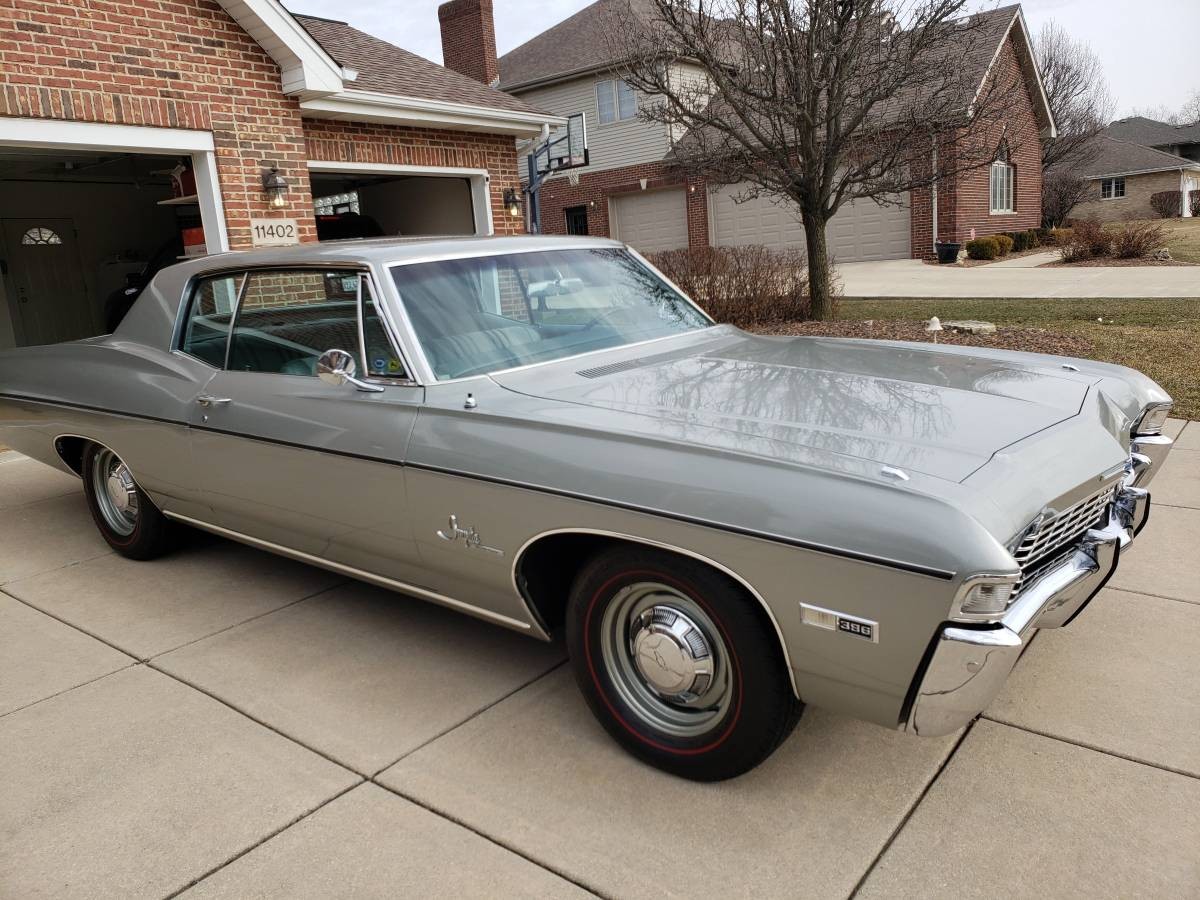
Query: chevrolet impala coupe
{"x": 549, "y": 435}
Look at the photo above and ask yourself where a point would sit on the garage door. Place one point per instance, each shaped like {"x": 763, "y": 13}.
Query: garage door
{"x": 651, "y": 221}
{"x": 861, "y": 230}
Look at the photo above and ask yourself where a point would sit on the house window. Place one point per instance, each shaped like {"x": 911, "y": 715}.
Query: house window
{"x": 1112, "y": 188}
{"x": 1003, "y": 177}
{"x": 615, "y": 101}
{"x": 40, "y": 236}
{"x": 577, "y": 220}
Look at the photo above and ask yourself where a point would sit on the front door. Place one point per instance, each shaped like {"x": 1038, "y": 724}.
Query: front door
{"x": 47, "y": 296}
{"x": 281, "y": 455}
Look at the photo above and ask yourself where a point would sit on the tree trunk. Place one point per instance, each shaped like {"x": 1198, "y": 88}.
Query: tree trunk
{"x": 820, "y": 280}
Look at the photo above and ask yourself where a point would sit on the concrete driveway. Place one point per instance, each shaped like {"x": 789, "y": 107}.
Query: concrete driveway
{"x": 1015, "y": 278}
{"x": 223, "y": 723}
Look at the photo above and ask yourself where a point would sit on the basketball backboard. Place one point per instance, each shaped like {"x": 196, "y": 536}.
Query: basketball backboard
{"x": 565, "y": 148}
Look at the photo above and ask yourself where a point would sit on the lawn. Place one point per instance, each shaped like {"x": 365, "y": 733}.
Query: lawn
{"x": 1158, "y": 337}
{"x": 1183, "y": 239}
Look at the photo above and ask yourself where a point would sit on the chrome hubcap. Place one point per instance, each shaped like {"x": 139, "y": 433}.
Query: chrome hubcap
{"x": 667, "y": 659}
{"x": 672, "y": 654}
{"x": 116, "y": 492}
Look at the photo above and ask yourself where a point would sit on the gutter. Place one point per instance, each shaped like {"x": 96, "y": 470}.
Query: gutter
{"x": 372, "y": 106}
{"x": 1192, "y": 168}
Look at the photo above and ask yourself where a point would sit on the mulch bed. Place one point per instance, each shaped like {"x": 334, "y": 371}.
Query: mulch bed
{"x": 1031, "y": 340}
{"x": 968, "y": 263}
{"x": 1107, "y": 262}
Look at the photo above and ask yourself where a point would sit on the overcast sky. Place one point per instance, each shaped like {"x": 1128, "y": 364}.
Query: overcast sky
{"x": 1148, "y": 47}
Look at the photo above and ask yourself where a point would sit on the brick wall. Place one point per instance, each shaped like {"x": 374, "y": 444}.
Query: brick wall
{"x": 331, "y": 141}
{"x": 166, "y": 63}
{"x": 469, "y": 39}
{"x": 1136, "y": 202}
{"x": 971, "y": 193}
{"x": 187, "y": 64}
{"x": 594, "y": 189}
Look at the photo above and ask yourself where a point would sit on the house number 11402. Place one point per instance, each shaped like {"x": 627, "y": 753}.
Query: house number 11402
{"x": 273, "y": 232}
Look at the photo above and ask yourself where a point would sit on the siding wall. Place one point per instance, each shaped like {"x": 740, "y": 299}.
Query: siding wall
{"x": 610, "y": 146}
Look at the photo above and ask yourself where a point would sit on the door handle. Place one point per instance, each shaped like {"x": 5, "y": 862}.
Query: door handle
{"x": 207, "y": 400}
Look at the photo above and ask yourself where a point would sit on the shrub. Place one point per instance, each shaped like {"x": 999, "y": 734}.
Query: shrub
{"x": 1004, "y": 243}
{"x": 743, "y": 286}
{"x": 983, "y": 248}
{"x": 1135, "y": 240}
{"x": 1056, "y": 237}
{"x": 1090, "y": 240}
{"x": 1166, "y": 204}
{"x": 1020, "y": 240}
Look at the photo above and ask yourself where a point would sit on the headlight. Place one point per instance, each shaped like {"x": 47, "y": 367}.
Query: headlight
{"x": 986, "y": 596}
{"x": 1152, "y": 419}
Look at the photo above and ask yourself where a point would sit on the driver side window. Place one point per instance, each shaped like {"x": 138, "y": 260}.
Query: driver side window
{"x": 288, "y": 317}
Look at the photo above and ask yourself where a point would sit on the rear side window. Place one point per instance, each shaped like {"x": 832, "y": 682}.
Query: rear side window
{"x": 209, "y": 315}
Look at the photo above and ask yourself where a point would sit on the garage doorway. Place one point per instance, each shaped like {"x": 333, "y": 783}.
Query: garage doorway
{"x": 78, "y": 229}
{"x": 357, "y": 200}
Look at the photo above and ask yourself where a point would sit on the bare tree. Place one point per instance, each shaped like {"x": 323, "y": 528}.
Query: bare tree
{"x": 1189, "y": 113}
{"x": 821, "y": 102}
{"x": 1062, "y": 189}
{"x": 1078, "y": 94}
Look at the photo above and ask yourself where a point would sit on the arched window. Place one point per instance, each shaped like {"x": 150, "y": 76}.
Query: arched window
{"x": 40, "y": 236}
{"x": 1002, "y": 181}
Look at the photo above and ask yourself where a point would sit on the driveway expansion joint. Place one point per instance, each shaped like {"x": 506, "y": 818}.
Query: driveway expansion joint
{"x": 1093, "y": 748}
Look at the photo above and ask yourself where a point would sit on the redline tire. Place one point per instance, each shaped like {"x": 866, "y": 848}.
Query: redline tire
{"x": 640, "y": 623}
{"x": 135, "y": 527}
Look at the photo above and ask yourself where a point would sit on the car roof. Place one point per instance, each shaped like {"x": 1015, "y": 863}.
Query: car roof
{"x": 382, "y": 251}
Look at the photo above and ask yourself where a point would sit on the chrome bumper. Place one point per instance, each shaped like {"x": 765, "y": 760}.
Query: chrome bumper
{"x": 1146, "y": 457}
{"x": 967, "y": 666}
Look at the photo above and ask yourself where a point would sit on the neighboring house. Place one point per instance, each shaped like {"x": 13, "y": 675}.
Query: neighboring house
{"x": 100, "y": 102}
{"x": 630, "y": 189}
{"x": 1124, "y": 175}
{"x": 1179, "y": 140}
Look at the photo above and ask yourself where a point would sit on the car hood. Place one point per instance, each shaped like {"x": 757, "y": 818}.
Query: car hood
{"x": 912, "y": 406}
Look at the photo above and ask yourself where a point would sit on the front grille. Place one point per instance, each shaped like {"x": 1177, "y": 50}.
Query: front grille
{"x": 1048, "y": 543}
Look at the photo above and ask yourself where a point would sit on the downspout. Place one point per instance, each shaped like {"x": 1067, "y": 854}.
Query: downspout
{"x": 934, "y": 194}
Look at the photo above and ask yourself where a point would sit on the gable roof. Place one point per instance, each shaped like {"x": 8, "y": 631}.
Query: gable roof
{"x": 389, "y": 69}
{"x": 1153, "y": 133}
{"x": 576, "y": 45}
{"x": 1114, "y": 157}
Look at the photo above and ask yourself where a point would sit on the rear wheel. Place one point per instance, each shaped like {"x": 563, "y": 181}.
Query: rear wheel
{"x": 678, "y": 664}
{"x": 128, "y": 520}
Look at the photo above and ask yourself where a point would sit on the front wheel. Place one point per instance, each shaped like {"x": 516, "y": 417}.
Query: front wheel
{"x": 679, "y": 664}
{"x": 125, "y": 515}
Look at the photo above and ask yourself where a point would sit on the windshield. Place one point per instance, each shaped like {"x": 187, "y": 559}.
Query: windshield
{"x": 483, "y": 314}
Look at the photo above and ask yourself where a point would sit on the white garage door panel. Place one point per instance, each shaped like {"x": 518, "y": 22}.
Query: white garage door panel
{"x": 652, "y": 221}
{"x": 861, "y": 230}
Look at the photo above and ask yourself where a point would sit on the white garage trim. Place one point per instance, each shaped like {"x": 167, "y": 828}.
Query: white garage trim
{"x": 481, "y": 197}
{"x": 53, "y": 134}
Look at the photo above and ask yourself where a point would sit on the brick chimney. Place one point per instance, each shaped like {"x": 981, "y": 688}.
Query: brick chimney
{"x": 469, "y": 39}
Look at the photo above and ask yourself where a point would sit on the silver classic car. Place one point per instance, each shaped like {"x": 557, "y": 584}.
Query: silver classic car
{"x": 546, "y": 433}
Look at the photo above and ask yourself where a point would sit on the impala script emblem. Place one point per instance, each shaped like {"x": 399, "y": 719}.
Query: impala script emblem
{"x": 469, "y": 536}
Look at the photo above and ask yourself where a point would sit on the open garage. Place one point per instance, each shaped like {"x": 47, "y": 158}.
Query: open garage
{"x": 371, "y": 201}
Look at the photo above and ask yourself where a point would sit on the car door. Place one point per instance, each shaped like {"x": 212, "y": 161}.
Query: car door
{"x": 287, "y": 458}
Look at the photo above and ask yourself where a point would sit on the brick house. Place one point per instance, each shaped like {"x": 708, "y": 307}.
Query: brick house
{"x": 631, "y": 191}
{"x": 1124, "y": 175}
{"x": 136, "y": 128}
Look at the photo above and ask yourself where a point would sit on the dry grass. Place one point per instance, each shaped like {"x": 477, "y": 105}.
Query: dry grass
{"x": 1183, "y": 238}
{"x": 1158, "y": 337}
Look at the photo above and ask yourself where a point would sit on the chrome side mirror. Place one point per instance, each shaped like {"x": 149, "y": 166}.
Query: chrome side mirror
{"x": 337, "y": 367}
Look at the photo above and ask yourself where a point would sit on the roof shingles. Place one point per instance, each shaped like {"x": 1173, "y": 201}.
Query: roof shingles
{"x": 1115, "y": 157}
{"x": 388, "y": 69}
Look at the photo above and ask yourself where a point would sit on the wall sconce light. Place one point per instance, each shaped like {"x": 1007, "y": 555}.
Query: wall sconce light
{"x": 275, "y": 186}
{"x": 512, "y": 202}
